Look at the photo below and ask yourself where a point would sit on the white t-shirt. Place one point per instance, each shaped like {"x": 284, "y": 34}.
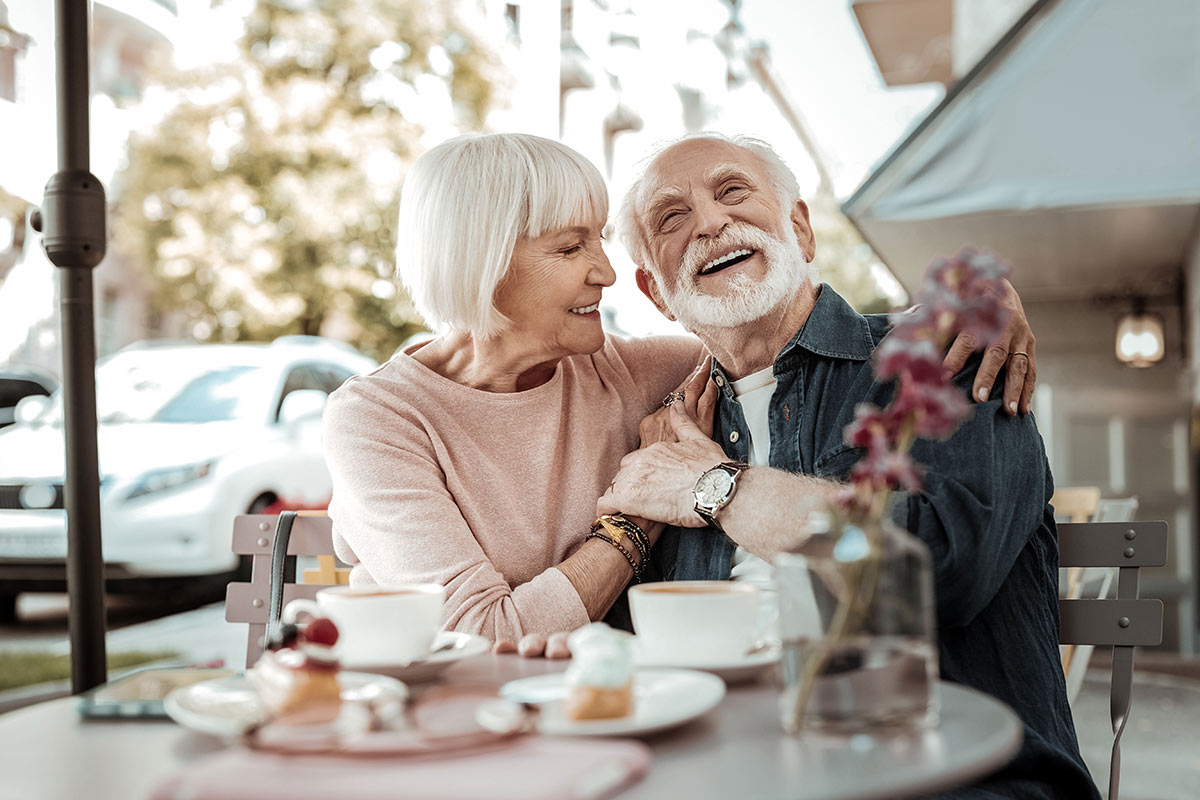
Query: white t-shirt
{"x": 754, "y": 393}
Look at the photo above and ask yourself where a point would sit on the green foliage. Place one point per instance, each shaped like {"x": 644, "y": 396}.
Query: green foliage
{"x": 27, "y": 668}
{"x": 845, "y": 261}
{"x": 263, "y": 202}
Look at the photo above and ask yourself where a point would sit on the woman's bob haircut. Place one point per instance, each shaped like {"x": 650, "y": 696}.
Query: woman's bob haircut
{"x": 464, "y": 205}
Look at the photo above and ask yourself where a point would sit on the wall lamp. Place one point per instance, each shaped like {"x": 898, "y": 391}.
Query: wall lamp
{"x": 1141, "y": 341}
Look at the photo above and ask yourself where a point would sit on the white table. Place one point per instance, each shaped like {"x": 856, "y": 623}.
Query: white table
{"x": 737, "y": 750}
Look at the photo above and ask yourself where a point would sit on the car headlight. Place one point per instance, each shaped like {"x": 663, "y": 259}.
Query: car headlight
{"x": 160, "y": 480}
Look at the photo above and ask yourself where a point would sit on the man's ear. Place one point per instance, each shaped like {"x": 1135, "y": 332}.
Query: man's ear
{"x": 803, "y": 228}
{"x": 649, "y": 287}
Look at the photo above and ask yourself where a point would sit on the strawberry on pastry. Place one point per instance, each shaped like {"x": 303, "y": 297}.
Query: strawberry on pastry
{"x": 297, "y": 675}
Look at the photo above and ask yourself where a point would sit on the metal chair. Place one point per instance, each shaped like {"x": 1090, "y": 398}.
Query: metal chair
{"x": 1093, "y": 582}
{"x": 1122, "y": 622}
{"x": 272, "y": 577}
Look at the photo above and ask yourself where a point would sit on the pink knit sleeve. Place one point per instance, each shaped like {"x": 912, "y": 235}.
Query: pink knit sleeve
{"x": 657, "y": 364}
{"x": 394, "y": 517}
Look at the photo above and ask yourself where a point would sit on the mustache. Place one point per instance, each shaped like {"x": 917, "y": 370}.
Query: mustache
{"x": 734, "y": 235}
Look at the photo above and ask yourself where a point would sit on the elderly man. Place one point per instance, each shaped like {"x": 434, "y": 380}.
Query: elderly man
{"x": 723, "y": 244}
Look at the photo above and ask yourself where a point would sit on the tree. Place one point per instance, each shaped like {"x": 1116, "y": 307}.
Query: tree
{"x": 847, "y": 263}
{"x": 264, "y": 200}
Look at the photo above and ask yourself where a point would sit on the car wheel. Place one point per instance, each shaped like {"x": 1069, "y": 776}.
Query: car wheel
{"x": 262, "y": 503}
{"x": 8, "y": 608}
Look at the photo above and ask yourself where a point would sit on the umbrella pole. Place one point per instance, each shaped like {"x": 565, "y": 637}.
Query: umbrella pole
{"x": 73, "y": 225}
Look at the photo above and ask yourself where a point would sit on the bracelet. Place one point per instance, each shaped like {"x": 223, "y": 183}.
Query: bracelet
{"x": 618, "y": 526}
{"x": 639, "y": 537}
{"x": 637, "y": 570}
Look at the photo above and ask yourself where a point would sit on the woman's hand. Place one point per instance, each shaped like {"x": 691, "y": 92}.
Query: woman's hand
{"x": 699, "y": 402}
{"x": 1014, "y": 350}
{"x": 536, "y": 645}
{"x": 656, "y": 482}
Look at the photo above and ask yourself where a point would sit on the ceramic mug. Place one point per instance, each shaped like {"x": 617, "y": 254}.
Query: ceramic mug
{"x": 695, "y": 621}
{"x": 378, "y": 624}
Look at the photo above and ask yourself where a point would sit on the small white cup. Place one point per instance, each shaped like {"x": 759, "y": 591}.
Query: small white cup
{"x": 378, "y": 624}
{"x": 695, "y": 621}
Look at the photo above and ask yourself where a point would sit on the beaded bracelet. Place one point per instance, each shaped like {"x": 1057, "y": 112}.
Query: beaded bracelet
{"x": 620, "y": 527}
{"x": 637, "y": 569}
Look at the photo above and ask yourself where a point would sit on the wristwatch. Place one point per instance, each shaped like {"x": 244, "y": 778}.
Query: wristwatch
{"x": 715, "y": 488}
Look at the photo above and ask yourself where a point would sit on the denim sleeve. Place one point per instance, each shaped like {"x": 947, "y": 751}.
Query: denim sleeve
{"x": 983, "y": 497}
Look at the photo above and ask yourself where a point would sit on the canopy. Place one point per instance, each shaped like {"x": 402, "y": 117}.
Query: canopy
{"x": 1072, "y": 150}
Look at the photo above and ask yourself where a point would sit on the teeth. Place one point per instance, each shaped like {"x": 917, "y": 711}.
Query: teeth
{"x": 585, "y": 309}
{"x": 716, "y": 262}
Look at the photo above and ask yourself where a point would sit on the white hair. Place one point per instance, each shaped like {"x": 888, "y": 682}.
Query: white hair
{"x": 629, "y": 227}
{"x": 464, "y": 205}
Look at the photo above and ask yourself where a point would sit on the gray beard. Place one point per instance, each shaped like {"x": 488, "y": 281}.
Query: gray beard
{"x": 745, "y": 299}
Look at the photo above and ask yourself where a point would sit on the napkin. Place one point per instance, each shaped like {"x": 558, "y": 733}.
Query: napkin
{"x": 530, "y": 768}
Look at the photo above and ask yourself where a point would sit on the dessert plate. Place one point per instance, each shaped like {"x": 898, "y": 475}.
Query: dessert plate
{"x": 736, "y": 669}
{"x": 448, "y": 647}
{"x": 228, "y": 707}
{"x": 662, "y": 698}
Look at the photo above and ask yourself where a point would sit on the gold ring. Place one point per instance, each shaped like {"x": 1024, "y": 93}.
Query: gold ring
{"x": 1010, "y": 355}
{"x": 671, "y": 398}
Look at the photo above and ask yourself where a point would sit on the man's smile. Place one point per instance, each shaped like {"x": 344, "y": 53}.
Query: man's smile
{"x": 728, "y": 260}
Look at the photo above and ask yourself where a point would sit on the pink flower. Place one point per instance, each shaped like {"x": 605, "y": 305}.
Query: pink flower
{"x": 888, "y": 469}
{"x": 872, "y": 428}
{"x": 934, "y": 409}
{"x": 920, "y": 359}
{"x": 963, "y": 293}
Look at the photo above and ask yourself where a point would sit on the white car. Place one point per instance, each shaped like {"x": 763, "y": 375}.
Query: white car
{"x": 190, "y": 435}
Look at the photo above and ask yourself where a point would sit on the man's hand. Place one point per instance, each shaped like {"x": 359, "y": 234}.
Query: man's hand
{"x": 1015, "y": 349}
{"x": 656, "y": 482}
{"x": 699, "y": 401}
{"x": 535, "y": 645}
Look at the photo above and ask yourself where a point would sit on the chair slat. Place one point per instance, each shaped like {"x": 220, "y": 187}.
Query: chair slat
{"x": 1098, "y": 622}
{"x": 1109, "y": 544}
{"x": 254, "y": 533}
{"x": 240, "y": 599}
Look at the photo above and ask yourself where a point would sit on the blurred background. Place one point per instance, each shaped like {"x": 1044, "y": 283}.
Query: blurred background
{"x": 253, "y": 152}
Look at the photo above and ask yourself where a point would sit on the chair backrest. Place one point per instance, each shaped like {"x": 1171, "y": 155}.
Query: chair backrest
{"x": 254, "y": 536}
{"x": 1122, "y": 622}
{"x": 1093, "y": 582}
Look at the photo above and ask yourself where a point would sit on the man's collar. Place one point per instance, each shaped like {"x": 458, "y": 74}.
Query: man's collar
{"x": 833, "y": 330}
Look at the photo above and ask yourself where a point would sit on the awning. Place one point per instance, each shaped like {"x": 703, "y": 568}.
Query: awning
{"x": 1072, "y": 150}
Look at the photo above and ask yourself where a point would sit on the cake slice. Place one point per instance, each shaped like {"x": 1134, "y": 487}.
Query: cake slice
{"x": 600, "y": 678}
{"x": 297, "y": 675}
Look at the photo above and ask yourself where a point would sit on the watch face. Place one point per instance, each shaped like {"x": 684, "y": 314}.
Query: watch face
{"x": 713, "y": 487}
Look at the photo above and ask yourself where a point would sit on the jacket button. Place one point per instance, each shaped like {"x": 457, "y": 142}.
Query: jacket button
{"x": 719, "y": 380}
{"x": 733, "y": 437}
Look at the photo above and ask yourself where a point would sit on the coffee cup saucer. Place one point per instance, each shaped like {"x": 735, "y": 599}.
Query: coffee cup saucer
{"x": 732, "y": 669}
{"x": 448, "y": 647}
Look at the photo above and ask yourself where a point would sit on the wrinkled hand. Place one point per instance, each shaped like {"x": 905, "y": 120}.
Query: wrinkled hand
{"x": 535, "y": 645}
{"x": 656, "y": 482}
{"x": 699, "y": 401}
{"x": 1015, "y": 350}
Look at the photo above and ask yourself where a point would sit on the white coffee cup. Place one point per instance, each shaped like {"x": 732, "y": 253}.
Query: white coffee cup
{"x": 695, "y": 621}
{"x": 378, "y": 624}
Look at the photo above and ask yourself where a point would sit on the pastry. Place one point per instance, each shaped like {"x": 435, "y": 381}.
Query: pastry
{"x": 297, "y": 675}
{"x": 600, "y": 678}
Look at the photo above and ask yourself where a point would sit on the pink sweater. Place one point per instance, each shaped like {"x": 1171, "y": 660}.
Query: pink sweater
{"x": 486, "y": 492}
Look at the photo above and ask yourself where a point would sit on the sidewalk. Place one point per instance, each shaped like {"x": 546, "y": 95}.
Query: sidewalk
{"x": 1160, "y": 755}
{"x": 200, "y": 636}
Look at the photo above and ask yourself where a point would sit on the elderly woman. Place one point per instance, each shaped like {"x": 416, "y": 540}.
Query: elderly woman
{"x": 475, "y": 460}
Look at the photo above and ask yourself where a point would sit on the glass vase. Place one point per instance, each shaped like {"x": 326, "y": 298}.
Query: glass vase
{"x": 856, "y": 617}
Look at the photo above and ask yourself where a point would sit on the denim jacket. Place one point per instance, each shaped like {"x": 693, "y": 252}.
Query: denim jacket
{"x": 983, "y": 511}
